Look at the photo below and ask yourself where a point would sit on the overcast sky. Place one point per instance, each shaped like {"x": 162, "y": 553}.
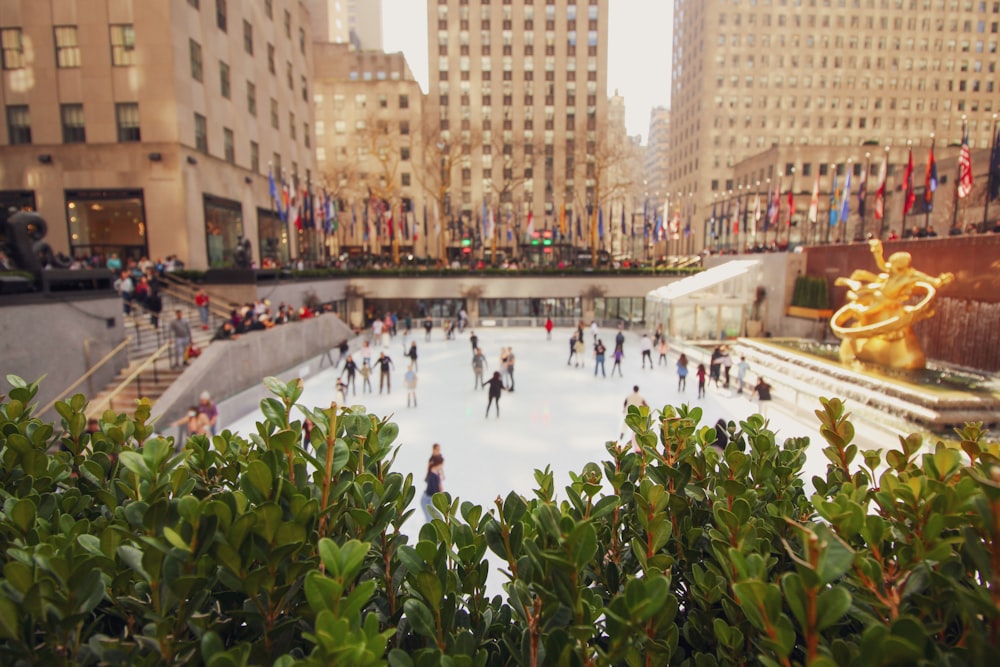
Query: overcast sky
{"x": 639, "y": 33}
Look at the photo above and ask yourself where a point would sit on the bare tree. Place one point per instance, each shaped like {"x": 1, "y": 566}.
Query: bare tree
{"x": 511, "y": 169}
{"x": 382, "y": 144}
{"x": 435, "y": 174}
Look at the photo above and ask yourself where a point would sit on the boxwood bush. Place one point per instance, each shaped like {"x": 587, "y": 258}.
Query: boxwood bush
{"x": 124, "y": 547}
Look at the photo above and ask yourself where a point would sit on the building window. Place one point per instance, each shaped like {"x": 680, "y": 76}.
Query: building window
{"x": 289, "y": 75}
{"x": 251, "y": 99}
{"x": 224, "y": 79}
{"x": 302, "y": 41}
{"x": 288, "y": 24}
{"x": 227, "y": 145}
{"x": 73, "y": 129}
{"x": 196, "y": 69}
{"x": 274, "y": 113}
{"x": 270, "y": 58}
{"x": 67, "y": 46}
{"x": 127, "y": 119}
{"x": 305, "y": 90}
{"x": 404, "y": 101}
{"x": 106, "y": 221}
{"x": 223, "y": 229}
{"x": 269, "y": 9}
{"x": 195, "y": 3}
{"x": 404, "y": 153}
{"x": 13, "y": 48}
{"x": 220, "y": 15}
{"x": 291, "y": 124}
{"x": 248, "y": 37}
{"x": 18, "y": 124}
{"x": 122, "y": 45}
{"x": 305, "y": 135}
{"x": 200, "y": 133}
{"x": 254, "y": 157}
{"x": 405, "y": 180}
{"x": 404, "y": 127}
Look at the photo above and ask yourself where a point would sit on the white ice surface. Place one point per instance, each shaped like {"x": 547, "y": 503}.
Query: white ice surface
{"x": 558, "y": 415}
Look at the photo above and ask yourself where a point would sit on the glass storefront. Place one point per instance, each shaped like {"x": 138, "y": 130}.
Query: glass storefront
{"x": 223, "y": 230}
{"x": 631, "y": 310}
{"x": 102, "y": 222}
{"x": 272, "y": 239}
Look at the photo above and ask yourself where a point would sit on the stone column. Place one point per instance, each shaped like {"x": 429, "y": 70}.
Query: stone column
{"x": 472, "y": 308}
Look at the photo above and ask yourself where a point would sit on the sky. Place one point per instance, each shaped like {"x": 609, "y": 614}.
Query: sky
{"x": 639, "y": 35}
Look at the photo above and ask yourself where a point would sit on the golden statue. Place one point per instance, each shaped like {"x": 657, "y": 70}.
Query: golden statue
{"x": 875, "y": 325}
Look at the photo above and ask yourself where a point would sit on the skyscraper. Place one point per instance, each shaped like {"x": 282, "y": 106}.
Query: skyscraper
{"x": 518, "y": 99}
{"x": 782, "y": 89}
{"x": 355, "y": 22}
{"x": 149, "y": 128}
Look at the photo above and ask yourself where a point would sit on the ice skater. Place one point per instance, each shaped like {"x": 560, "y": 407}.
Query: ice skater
{"x": 384, "y": 366}
{"x": 762, "y": 391}
{"x": 434, "y": 479}
{"x": 478, "y": 366}
{"x": 572, "y": 350}
{"x": 701, "y": 380}
{"x": 496, "y": 386}
{"x": 350, "y": 368}
{"x": 682, "y": 372}
{"x": 646, "y": 346}
{"x": 599, "y": 351}
{"x": 366, "y": 377}
{"x": 617, "y": 355}
{"x": 410, "y": 381}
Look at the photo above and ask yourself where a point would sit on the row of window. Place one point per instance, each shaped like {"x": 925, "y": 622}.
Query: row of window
{"x": 222, "y": 22}
{"x": 67, "y": 45}
{"x": 74, "y": 130}
{"x": 225, "y": 84}
{"x": 507, "y": 12}
{"x": 913, "y": 5}
{"x": 898, "y": 23}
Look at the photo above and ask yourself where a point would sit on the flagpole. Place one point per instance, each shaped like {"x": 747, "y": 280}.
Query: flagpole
{"x": 990, "y": 176}
{"x": 885, "y": 195}
{"x": 833, "y": 196}
{"x": 863, "y": 195}
{"x": 958, "y": 181}
{"x": 928, "y": 196}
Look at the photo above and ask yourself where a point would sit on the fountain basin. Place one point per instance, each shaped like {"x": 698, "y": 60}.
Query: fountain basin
{"x": 935, "y": 400}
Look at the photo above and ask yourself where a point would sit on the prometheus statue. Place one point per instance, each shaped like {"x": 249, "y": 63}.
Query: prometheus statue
{"x": 875, "y": 325}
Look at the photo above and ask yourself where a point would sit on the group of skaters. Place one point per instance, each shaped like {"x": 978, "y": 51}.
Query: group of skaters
{"x": 382, "y": 332}
{"x": 502, "y": 378}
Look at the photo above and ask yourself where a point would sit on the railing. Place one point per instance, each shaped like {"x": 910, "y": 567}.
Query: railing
{"x": 66, "y": 392}
{"x": 185, "y": 290}
{"x": 98, "y": 407}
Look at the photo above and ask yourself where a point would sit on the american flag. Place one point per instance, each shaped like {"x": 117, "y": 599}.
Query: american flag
{"x": 965, "y": 168}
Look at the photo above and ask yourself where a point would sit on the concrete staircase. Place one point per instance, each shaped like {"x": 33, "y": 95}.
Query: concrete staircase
{"x": 153, "y": 348}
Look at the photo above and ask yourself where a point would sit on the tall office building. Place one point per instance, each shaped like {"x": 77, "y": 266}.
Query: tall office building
{"x": 355, "y": 22}
{"x": 520, "y": 88}
{"x": 783, "y": 89}
{"x": 147, "y": 128}
{"x": 657, "y": 156}
{"x": 368, "y": 149}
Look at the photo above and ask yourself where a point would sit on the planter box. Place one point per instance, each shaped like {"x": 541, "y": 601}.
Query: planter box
{"x": 809, "y": 313}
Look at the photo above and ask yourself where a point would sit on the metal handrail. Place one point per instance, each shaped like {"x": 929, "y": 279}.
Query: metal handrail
{"x": 93, "y": 369}
{"x": 175, "y": 284}
{"x": 105, "y": 402}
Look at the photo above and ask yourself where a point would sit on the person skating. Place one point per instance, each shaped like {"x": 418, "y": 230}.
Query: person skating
{"x": 634, "y": 399}
{"x": 662, "y": 349}
{"x": 410, "y": 381}
{"x": 572, "y": 349}
{"x": 478, "y": 366}
{"x": 727, "y": 365}
{"x": 474, "y": 339}
{"x": 620, "y": 339}
{"x": 434, "y": 479}
{"x": 548, "y": 328}
{"x": 762, "y": 391}
{"x": 366, "y": 377}
{"x": 741, "y": 374}
{"x": 701, "y": 380}
{"x": 578, "y": 348}
{"x": 682, "y": 372}
{"x": 510, "y": 368}
{"x": 617, "y": 355}
{"x": 350, "y": 368}
{"x": 715, "y": 366}
{"x": 412, "y": 354}
{"x": 646, "y": 346}
{"x": 599, "y": 351}
{"x": 496, "y": 386}
{"x": 428, "y": 325}
{"x": 384, "y": 366}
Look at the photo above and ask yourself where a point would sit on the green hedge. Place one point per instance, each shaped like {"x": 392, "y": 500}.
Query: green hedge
{"x": 811, "y": 292}
{"x": 117, "y": 549}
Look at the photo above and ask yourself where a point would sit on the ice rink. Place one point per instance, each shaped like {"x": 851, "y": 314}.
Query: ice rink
{"x": 558, "y": 415}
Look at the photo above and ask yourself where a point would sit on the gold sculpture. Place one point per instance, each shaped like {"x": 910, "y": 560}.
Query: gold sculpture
{"x": 875, "y": 325}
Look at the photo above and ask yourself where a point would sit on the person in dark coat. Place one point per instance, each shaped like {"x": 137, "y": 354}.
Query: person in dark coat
{"x": 496, "y": 386}
{"x": 350, "y": 368}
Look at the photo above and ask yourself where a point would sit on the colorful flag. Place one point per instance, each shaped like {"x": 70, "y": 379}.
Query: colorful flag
{"x": 994, "y": 178}
{"x": 965, "y": 168}
{"x": 579, "y": 230}
{"x": 863, "y": 191}
{"x": 791, "y": 205}
{"x": 273, "y": 189}
{"x": 930, "y": 180}
{"x": 736, "y": 214}
{"x": 813, "y": 214}
{"x": 530, "y": 227}
{"x": 600, "y": 222}
{"x": 756, "y": 215}
{"x": 562, "y": 220}
{"x": 833, "y": 198}
{"x": 770, "y": 208}
{"x": 711, "y": 223}
{"x": 845, "y": 200}
{"x": 293, "y": 208}
{"x": 775, "y": 211}
{"x": 883, "y": 173}
{"x": 624, "y": 231}
{"x": 909, "y": 196}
